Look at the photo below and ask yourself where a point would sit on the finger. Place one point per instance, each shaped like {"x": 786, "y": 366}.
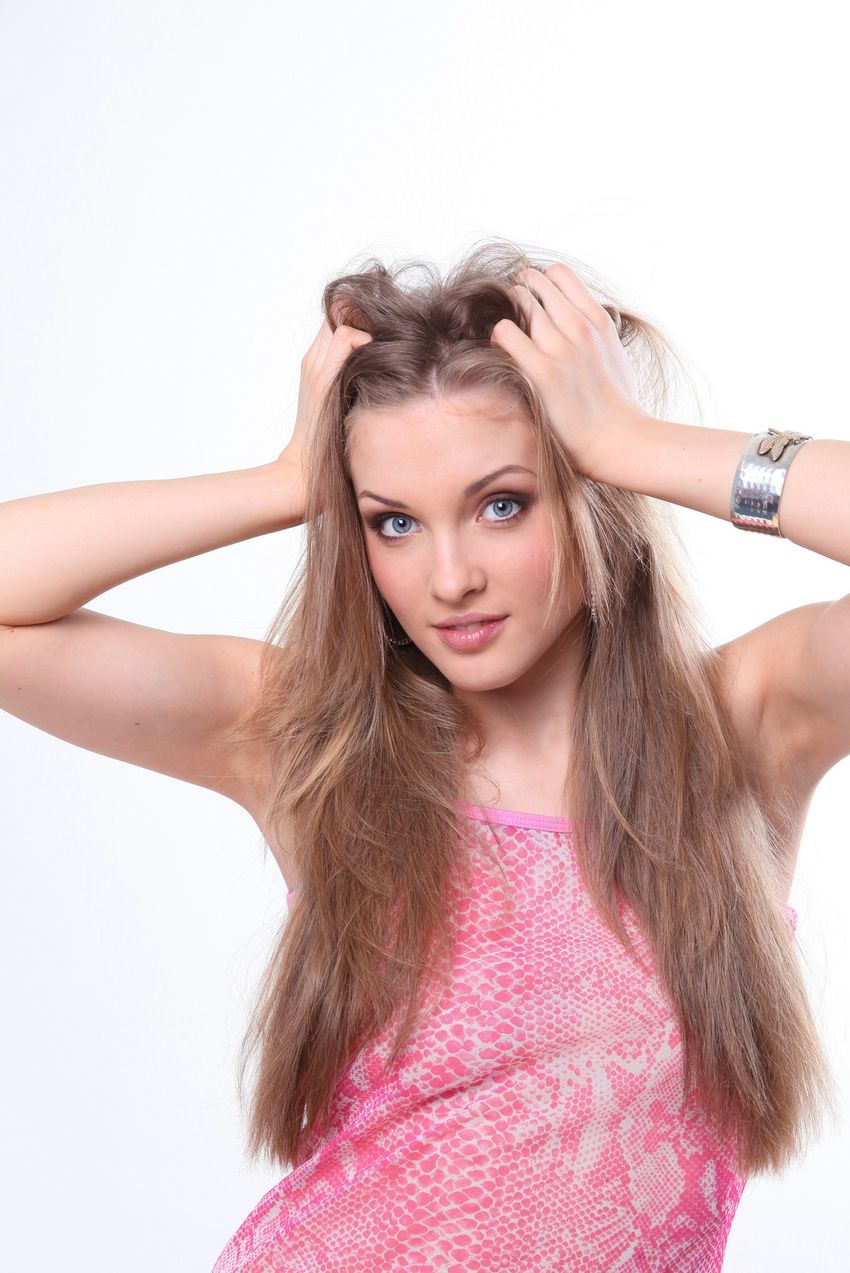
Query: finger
{"x": 506, "y": 335}
{"x": 544, "y": 331}
{"x": 335, "y": 346}
{"x": 345, "y": 340}
{"x": 566, "y": 316}
{"x": 348, "y": 338}
{"x": 571, "y": 286}
{"x": 320, "y": 345}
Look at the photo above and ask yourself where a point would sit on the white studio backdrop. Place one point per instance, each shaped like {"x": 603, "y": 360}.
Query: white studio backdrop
{"x": 179, "y": 182}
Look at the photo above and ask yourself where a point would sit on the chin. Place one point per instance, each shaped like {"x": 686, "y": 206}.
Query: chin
{"x": 477, "y": 676}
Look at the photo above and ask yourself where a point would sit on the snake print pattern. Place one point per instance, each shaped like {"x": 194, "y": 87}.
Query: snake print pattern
{"x": 533, "y": 1123}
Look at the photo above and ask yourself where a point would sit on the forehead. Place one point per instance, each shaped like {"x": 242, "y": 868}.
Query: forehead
{"x": 458, "y": 433}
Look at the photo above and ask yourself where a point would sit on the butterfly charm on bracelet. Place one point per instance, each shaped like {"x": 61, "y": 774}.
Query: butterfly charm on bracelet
{"x": 778, "y": 443}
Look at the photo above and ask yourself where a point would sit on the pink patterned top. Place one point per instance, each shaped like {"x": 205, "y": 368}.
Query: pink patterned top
{"x": 532, "y": 1123}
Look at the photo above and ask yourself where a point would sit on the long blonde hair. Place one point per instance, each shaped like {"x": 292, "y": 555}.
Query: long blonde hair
{"x": 367, "y": 759}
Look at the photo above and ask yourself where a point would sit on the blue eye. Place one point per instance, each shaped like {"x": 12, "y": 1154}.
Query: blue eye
{"x": 392, "y": 517}
{"x": 377, "y": 523}
{"x": 505, "y": 499}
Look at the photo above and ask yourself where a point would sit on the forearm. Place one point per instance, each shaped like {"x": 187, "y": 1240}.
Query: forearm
{"x": 694, "y": 467}
{"x": 59, "y": 550}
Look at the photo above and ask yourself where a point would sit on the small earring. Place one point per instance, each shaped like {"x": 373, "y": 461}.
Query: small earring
{"x": 593, "y": 615}
{"x": 395, "y": 640}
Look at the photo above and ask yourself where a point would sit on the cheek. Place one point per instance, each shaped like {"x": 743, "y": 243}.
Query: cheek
{"x": 537, "y": 561}
{"x": 389, "y": 579}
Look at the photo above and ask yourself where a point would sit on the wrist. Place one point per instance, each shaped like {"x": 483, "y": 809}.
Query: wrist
{"x": 281, "y": 492}
{"x": 632, "y": 428}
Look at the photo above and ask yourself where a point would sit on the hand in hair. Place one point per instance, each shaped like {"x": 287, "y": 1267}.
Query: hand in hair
{"x": 319, "y": 367}
{"x": 574, "y": 357}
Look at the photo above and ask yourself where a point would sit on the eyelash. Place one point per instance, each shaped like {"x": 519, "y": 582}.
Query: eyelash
{"x": 375, "y": 523}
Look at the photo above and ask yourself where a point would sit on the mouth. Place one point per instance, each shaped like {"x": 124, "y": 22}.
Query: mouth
{"x": 472, "y": 619}
{"x": 473, "y": 635}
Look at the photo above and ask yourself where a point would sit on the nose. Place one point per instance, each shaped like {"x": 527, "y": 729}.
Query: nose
{"x": 454, "y": 572}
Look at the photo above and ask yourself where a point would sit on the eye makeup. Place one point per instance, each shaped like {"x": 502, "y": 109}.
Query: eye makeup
{"x": 522, "y": 501}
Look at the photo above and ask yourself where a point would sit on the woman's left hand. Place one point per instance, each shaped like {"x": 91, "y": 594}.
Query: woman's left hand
{"x": 576, "y": 361}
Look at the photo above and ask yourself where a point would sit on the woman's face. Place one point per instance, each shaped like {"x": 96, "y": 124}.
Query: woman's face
{"x": 445, "y": 539}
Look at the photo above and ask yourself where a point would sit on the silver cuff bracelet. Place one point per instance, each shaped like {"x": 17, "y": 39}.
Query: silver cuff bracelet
{"x": 759, "y": 479}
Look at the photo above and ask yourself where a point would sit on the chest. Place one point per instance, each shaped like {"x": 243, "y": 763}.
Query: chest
{"x": 533, "y": 783}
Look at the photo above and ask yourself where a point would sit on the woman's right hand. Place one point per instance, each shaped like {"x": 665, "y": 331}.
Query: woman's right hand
{"x": 319, "y": 366}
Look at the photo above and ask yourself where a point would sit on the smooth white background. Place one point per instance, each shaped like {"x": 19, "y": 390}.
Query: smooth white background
{"x": 179, "y": 182}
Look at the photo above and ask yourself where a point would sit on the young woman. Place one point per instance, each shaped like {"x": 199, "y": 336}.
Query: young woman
{"x": 536, "y": 1003}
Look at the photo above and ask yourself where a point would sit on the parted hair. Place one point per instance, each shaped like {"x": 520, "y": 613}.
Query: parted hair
{"x": 368, "y": 746}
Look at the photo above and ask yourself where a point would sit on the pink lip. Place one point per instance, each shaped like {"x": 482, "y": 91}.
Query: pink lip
{"x": 475, "y": 639}
{"x": 472, "y": 616}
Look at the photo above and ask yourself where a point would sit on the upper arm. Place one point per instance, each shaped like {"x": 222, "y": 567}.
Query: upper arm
{"x": 802, "y": 659}
{"x": 162, "y": 700}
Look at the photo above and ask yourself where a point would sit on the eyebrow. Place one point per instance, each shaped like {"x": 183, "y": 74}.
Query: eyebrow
{"x": 469, "y": 491}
